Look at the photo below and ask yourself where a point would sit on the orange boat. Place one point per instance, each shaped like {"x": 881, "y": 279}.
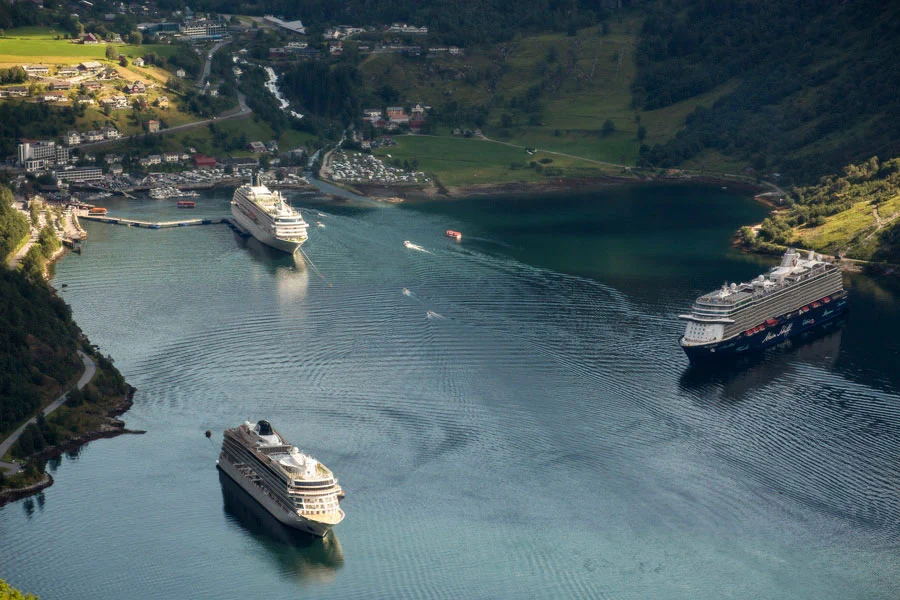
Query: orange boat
{"x": 454, "y": 234}
{"x": 97, "y": 210}
{"x": 186, "y": 204}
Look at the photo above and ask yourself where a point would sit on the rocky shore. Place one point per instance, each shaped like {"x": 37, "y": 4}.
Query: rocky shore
{"x": 111, "y": 427}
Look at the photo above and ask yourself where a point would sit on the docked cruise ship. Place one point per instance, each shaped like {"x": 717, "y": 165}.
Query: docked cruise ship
{"x": 793, "y": 297}
{"x": 265, "y": 215}
{"x": 294, "y": 487}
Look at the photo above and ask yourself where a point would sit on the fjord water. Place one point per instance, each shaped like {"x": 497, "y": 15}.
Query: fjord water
{"x": 519, "y": 423}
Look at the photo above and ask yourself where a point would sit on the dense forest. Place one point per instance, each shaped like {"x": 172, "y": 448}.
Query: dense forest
{"x": 817, "y": 82}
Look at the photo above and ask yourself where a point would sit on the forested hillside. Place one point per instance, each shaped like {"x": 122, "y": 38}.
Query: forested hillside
{"x": 817, "y": 83}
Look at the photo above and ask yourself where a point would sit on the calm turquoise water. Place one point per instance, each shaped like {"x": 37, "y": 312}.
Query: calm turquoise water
{"x": 538, "y": 434}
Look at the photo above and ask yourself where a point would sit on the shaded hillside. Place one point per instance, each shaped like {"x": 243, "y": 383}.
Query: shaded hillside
{"x": 816, "y": 82}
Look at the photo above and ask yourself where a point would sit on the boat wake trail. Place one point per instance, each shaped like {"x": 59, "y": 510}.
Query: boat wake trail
{"x": 433, "y": 315}
{"x": 417, "y": 247}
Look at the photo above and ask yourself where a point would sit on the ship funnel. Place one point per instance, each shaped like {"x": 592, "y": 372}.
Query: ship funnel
{"x": 256, "y": 180}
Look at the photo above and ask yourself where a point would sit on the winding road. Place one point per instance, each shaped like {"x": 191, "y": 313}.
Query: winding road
{"x": 90, "y": 368}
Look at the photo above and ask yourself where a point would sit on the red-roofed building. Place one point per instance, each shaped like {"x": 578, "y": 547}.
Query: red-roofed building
{"x": 416, "y": 125}
{"x": 201, "y": 161}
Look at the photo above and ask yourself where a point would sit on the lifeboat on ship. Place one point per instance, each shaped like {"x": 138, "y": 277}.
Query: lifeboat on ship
{"x": 771, "y": 322}
{"x": 826, "y": 299}
{"x": 816, "y": 305}
{"x": 453, "y": 234}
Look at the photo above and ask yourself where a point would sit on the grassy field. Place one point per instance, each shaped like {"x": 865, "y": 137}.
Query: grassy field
{"x": 38, "y": 45}
{"x": 583, "y": 80}
{"x": 461, "y": 161}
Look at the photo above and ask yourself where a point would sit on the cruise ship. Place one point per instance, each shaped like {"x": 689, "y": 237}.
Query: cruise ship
{"x": 797, "y": 295}
{"x": 294, "y": 487}
{"x": 265, "y": 215}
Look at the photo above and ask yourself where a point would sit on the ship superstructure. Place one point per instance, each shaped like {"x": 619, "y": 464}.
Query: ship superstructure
{"x": 266, "y": 215}
{"x": 294, "y": 487}
{"x": 795, "y": 296}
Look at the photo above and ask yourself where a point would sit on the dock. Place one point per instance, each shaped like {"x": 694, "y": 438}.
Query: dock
{"x": 158, "y": 224}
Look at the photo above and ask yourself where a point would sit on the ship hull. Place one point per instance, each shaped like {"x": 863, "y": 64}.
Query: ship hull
{"x": 291, "y": 519}
{"x": 788, "y": 327}
{"x": 261, "y": 234}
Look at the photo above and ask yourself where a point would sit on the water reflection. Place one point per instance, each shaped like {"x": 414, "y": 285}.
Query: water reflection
{"x": 731, "y": 381}
{"x": 300, "y": 555}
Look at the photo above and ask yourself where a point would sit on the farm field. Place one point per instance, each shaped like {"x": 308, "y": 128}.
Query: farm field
{"x": 39, "y": 45}
{"x": 460, "y": 161}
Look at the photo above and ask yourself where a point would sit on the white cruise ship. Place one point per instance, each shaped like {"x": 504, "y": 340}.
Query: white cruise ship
{"x": 294, "y": 487}
{"x": 266, "y": 216}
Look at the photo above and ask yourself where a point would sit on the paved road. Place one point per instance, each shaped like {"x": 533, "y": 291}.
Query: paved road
{"x": 90, "y": 368}
{"x": 16, "y": 258}
{"x": 208, "y": 65}
{"x": 241, "y": 111}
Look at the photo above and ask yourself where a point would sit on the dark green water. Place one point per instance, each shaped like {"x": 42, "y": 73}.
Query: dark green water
{"x": 538, "y": 434}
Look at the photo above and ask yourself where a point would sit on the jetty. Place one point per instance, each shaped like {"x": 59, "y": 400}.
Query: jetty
{"x": 156, "y": 224}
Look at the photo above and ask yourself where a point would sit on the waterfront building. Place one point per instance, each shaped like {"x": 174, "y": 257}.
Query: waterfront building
{"x": 79, "y": 175}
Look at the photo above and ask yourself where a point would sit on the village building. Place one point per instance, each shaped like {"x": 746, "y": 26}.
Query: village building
{"x": 155, "y": 159}
{"x": 110, "y": 133}
{"x": 82, "y": 99}
{"x": 72, "y": 138}
{"x": 60, "y": 85}
{"x": 16, "y": 91}
{"x": 54, "y": 97}
{"x": 171, "y": 157}
{"x": 89, "y": 38}
{"x": 371, "y": 114}
{"x": 91, "y": 66}
{"x": 180, "y": 73}
{"x": 163, "y": 102}
{"x": 115, "y": 169}
{"x": 201, "y": 161}
{"x": 138, "y": 62}
{"x": 93, "y": 136}
{"x": 152, "y": 126}
{"x": 36, "y": 70}
{"x": 256, "y": 147}
{"x": 66, "y": 72}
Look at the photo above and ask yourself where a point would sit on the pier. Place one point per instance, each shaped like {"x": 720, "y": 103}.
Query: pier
{"x": 158, "y": 224}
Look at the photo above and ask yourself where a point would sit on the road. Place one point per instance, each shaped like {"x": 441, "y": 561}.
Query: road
{"x": 16, "y": 258}
{"x": 208, "y": 64}
{"x": 90, "y": 368}
{"x": 241, "y": 111}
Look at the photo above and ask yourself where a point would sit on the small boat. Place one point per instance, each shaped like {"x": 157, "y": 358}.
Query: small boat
{"x": 320, "y": 224}
{"x": 186, "y": 204}
{"x": 453, "y": 234}
{"x": 97, "y": 210}
{"x": 407, "y": 244}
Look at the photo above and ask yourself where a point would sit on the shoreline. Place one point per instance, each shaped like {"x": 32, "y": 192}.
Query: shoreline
{"x": 110, "y": 428}
{"x": 439, "y": 191}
